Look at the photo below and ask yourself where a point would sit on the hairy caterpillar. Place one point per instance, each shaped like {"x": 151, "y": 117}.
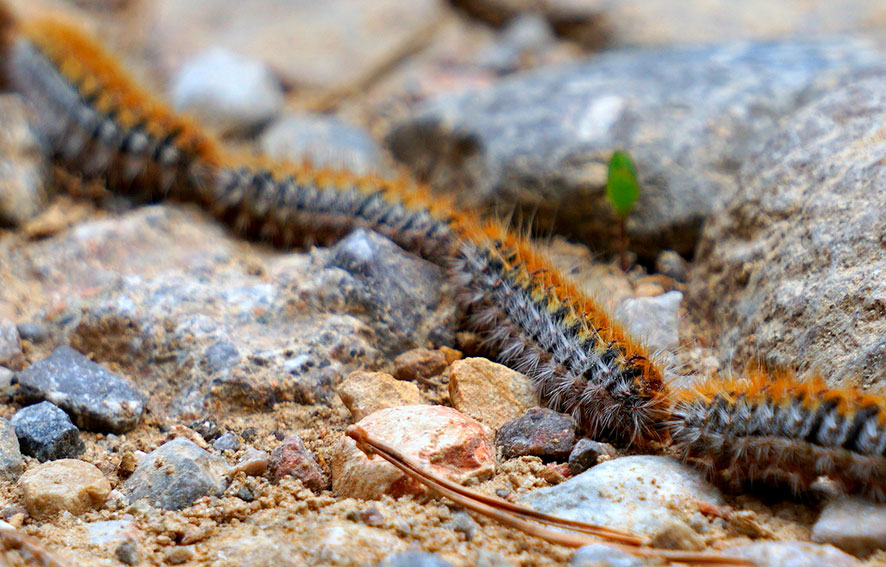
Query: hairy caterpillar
{"x": 765, "y": 429}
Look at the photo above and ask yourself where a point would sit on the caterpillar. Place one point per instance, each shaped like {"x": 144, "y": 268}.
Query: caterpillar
{"x": 764, "y": 429}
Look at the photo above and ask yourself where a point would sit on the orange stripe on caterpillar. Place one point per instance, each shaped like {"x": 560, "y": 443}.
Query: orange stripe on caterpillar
{"x": 541, "y": 324}
{"x": 93, "y": 117}
{"x": 777, "y": 430}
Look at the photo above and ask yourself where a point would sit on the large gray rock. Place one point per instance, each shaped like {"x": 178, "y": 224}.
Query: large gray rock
{"x": 791, "y": 273}
{"x": 95, "y": 398}
{"x": 792, "y": 554}
{"x": 854, "y": 525}
{"x": 11, "y": 463}
{"x": 689, "y": 116}
{"x": 175, "y": 474}
{"x": 643, "y": 494}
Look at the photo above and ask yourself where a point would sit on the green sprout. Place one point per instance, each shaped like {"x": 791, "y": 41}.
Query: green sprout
{"x": 622, "y": 190}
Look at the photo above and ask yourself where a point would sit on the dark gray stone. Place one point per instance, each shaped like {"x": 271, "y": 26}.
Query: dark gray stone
{"x": 46, "y": 432}
{"x": 413, "y": 559}
{"x": 323, "y": 141}
{"x": 689, "y": 116}
{"x": 398, "y": 295}
{"x": 95, "y": 398}
{"x": 175, "y": 474}
{"x": 790, "y": 274}
{"x": 586, "y": 453}
{"x": 11, "y": 464}
{"x": 34, "y": 331}
{"x": 10, "y": 344}
{"x": 792, "y": 554}
{"x": 127, "y": 552}
{"x": 540, "y": 432}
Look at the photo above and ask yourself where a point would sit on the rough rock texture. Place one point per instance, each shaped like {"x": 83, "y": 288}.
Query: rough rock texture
{"x": 540, "y": 432}
{"x": 854, "y": 525}
{"x": 44, "y": 431}
{"x": 413, "y": 559}
{"x": 790, "y": 272}
{"x": 654, "y": 320}
{"x": 95, "y": 398}
{"x": 176, "y": 474}
{"x": 366, "y": 392}
{"x": 11, "y": 464}
{"x": 689, "y": 116}
{"x": 490, "y": 393}
{"x": 322, "y": 141}
{"x": 325, "y": 45}
{"x": 227, "y": 91}
{"x": 291, "y": 458}
{"x": 64, "y": 485}
{"x": 23, "y": 167}
{"x": 638, "y": 493}
{"x": 340, "y": 543}
{"x": 793, "y": 554}
{"x": 196, "y": 316}
{"x": 447, "y": 442}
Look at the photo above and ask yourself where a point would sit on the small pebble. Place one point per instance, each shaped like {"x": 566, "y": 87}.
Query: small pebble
{"x": 33, "y": 331}
{"x": 792, "y": 554}
{"x": 95, "y": 398}
{"x": 855, "y": 525}
{"x": 11, "y": 463}
{"x": 6, "y": 376}
{"x": 462, "y": 522}
{"x": 127, "y": 552}
{"x": 672, "y": 265}
{"x": 179, "y": 554}
{"x": 587, "y": 453}
{"x": 227, "y": 91}
{"x": 64, "y": 485}
{"x": 540, "y": 432}
{"x": 654, "y": 320}
{"x": 490, "y": 393}
{"x": 226, "y": 442}
{"x": 291, "y": 458}
{"x": 413, "y": 559}
{"x": 366, "y": 392}
{"x": 676, "y": 534}
{"x": 253, "y": 462}
{"x": 46, "y": 432}
{"x": 322, "y": 141}
{"x": 245, "y": 494}
{"x": 603, "y": 555}
{"x": 175, "y": 474}
{"x": 420, "y": 364}
{"x": 11, "y": 354}
{"x": 442, "y": 439}
{"x": 25, "y": 167}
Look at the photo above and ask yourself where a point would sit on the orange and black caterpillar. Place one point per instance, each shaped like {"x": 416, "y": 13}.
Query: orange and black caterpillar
{"x": 95, "y": 121}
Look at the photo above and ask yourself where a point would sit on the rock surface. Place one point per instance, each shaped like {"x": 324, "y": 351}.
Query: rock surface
{"x": 11, "y": 463}
{"x": 291, "y": 458}
{"x": 449, "y": 443}
{"x": 322, "y": 141}
{"x": 790, "y": 272}
{"x": 46, "y": 432}
{"x": 602, "y": 555}
{"x": 10, "y": 345}
{"x": 366, "y": 392}
{"x": 793, "y": 554}
{"x": 689, "y": 116}
{"x": 227, "y": 91}
{"x": 637, "y": 493}
{"x": 65, "y": 485}
{"x": 490, "y": 393}
{"x": 588, "y": 453}
{"x": 95, "y": 398}
{"x": 176, "y": 474}
{"x": 540, "y": 432}
{"x": 654, "y": 320}
{"x": 23, "y": 167}
{"x": 413, "y": 559}
{"x": 855, "y": 525}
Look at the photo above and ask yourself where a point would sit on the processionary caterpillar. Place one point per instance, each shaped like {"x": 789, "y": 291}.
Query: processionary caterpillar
{"x": 767, "y": 429}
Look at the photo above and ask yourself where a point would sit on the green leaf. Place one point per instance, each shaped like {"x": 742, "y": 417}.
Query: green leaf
{"x": 622, "y": 188}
